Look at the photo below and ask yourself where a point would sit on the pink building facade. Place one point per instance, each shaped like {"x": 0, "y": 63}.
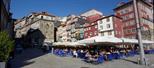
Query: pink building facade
{"x": 91, "y": 28}
{"x": 126, "y": 12}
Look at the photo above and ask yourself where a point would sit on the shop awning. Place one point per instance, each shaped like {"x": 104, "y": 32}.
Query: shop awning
{"x": 127, "y": 40}
{"x": 67, "y": 44}
{"x": 135, "y": 41}
{"x": 148, "y": 42}
{"x": 108, "y": 39}
{"x": 101, "y": 39}
{"x": 87, "y": 41}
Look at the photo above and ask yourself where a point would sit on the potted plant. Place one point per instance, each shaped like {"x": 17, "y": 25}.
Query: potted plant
{"x": 6, "y": 46}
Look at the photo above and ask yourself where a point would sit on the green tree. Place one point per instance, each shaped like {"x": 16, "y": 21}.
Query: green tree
{"x": 6, "y": 46}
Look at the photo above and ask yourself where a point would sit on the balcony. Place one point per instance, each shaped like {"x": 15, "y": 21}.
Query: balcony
{"x": 148, "y": 22}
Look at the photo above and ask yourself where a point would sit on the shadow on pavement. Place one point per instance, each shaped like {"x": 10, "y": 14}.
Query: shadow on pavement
{"x": 28, "y": 63}
{"x": 26, "y": 57}
{"x": 133, "y": 61}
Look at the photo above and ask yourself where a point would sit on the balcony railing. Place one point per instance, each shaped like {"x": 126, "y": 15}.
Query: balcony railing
{"x": 146, "y": 21}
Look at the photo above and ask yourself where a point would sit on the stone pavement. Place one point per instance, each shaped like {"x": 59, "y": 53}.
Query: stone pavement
{"x": 34, "y": 58}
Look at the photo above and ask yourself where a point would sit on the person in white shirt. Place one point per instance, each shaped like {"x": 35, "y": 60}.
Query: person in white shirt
{"x": 75, "y": 53}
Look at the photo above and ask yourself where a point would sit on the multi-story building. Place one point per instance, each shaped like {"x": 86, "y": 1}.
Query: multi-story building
{"x": 71, "y": 29}
{"x": 79, "y": 26}
{"x": 126, "y": 12}
{"x": 110, "y": 26}
{"x": 61, "y": 33}
{"x": 6, "y": 20}
{"x": 36, "y": 28}
{"x": 90, "y": 27}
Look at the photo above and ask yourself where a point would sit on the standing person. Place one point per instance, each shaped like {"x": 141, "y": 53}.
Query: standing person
{"x": 108, "y": 55}
{"x": 75, "y": 53}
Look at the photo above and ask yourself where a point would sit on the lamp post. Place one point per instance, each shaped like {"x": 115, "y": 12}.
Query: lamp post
{"x": 142, "y": 56}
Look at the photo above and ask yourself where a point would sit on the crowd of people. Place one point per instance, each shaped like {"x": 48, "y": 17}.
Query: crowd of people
{"x": 96, "y": 55}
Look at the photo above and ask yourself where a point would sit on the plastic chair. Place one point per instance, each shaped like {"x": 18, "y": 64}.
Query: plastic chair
{"x": 109, "y": 57}
{"x": 69, "y": 53}
{"x": 116, "y": 56}
{"x": 99, "y": 60}
{"x": 146, "y": 51}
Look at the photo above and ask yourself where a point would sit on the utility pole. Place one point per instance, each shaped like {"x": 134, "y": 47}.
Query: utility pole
{"x": 142, "y": 56}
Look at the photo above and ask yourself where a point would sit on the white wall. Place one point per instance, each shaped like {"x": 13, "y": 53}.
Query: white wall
{"x": 104, "y": 24}
{"x": 46, "y": 17}
{"x": 102, "y": 27}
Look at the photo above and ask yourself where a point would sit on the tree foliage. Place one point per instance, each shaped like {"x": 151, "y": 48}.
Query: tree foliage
{"x": 6, "y": 45}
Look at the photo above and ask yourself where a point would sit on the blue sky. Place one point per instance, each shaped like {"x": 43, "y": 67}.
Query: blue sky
{"x": 21, "y": 8}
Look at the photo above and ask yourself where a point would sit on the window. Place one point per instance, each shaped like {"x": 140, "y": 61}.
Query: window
{"x": 100, "y": 21}
{"x": 118, "y": 14}
{"x": 131, "y": 15}
{"x": 102, "y": 34}
{"x": 81, "y": 35}
{"x": 95, "y": 33}
{"x": 115, "y": 25}
{"x": 119, "y": 32}
{"x": 101, "y": 26}
{"x": 41, "y": 17}
{"x": 126, "y": 24}
{"x": 133, "y": 30}
{"x": 89, "y": 28}
{"x": 128, "y": 31}
{"x": 47, "y": 26}
{"x": 108, "y": 25}
{"x": 95, "y": 26}
{"x": 127, "y": 17}
{"x": 132, "y": 22}
{"x": 86, "y": 34}
{"x": 122, "y": 12}
{"x": 133, "y": 37}
{"x": 125, "y": 32}
{"x": 126, "y": 11}
{"x": 91, "y": 34}
{"x": 116, "y": 32}
{"x": 86, "y": 29}
{"x": 123, "y": 17}
{"x": 110, "y": 33}
{"x": 147, "y": 16}
{"x": 92, "y": 24}
{"x": 108, "y": 19}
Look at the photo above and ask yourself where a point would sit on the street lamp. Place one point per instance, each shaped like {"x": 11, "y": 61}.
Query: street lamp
{"x": 142, "y": 56}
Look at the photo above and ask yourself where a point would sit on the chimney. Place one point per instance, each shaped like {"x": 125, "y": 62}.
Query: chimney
{"x": 44, "y": 13}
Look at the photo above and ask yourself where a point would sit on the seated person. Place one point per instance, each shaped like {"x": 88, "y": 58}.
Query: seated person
{"x": 99, "y": 59}
{"x": 88, "y": 55}
{"x": 92, "y": 58}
